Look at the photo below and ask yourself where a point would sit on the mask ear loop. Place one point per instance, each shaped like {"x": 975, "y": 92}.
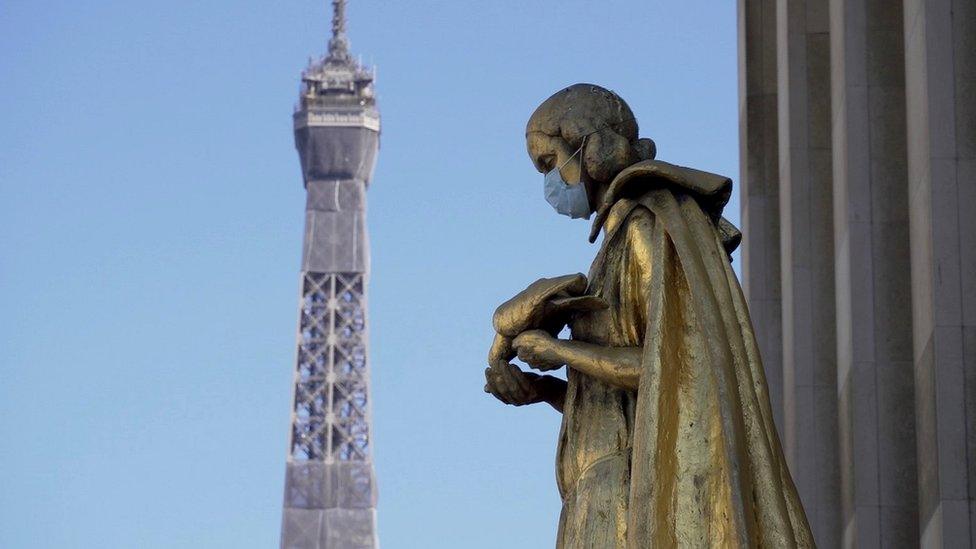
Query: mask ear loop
{"x": 580, "y": 149}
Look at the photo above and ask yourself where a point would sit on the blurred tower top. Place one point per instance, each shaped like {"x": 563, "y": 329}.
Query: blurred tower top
{"x": 336, "y": 79}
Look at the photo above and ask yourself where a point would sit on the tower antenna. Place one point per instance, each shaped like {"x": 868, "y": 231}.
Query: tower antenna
{"x": 339, "y": 44}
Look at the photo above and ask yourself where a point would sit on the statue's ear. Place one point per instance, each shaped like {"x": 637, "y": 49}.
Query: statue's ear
{"x": 646, "y": 148}
{"x": 607, "y": 153}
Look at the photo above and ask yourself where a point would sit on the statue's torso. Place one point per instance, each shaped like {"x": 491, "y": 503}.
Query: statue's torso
{"x": 593, "y": 461}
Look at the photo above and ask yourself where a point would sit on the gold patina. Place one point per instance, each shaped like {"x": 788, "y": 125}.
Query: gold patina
{"x": 667, "y": 436}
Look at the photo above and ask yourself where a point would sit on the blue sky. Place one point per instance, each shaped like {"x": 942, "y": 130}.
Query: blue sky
{"x": 150, "y": 235}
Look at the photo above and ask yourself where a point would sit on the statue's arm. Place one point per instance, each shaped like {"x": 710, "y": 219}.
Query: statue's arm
{"x": 554, "y": 391}
{"x": 618, "y": 366}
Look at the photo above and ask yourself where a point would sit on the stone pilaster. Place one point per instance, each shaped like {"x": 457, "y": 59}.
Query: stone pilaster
{"x": 940, "y": 75}
{"x": 759, "y": 186}
{"x": 807, "y": 262}
{"x": 872, "y": 276}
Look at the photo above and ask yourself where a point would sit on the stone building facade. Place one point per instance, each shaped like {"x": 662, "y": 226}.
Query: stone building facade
{"x": 858, "y": 196}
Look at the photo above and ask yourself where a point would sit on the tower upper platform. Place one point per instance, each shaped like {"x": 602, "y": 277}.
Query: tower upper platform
{"x": 336, "y": 120}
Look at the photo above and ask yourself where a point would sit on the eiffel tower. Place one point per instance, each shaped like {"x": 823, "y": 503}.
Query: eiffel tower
{"x": 330, "y": 488}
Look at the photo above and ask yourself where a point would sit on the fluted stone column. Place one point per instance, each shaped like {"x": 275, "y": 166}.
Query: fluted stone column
{"x": 759, "y": 186}
{"x": 875, "y": 373}
{"x": 807, "y": 262}
{"x": 940, "y": 73}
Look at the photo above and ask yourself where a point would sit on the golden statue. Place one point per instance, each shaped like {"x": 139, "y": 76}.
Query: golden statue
{"x": 667, "y": 436}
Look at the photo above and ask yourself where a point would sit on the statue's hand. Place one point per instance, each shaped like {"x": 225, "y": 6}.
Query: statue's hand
{"x": 501, "y": 349}
{"x": 530, "y": 307}
{"x": 539, "y": 349}
{"x": 509, "y": 384}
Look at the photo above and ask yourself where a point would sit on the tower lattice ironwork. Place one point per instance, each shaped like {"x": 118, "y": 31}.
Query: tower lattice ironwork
{"x": 330, "y": 487}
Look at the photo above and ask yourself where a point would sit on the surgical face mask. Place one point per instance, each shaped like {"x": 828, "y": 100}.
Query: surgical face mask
{"x": 567, "y": 199}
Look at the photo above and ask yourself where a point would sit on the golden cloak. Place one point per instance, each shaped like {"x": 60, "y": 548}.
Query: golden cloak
{"x": 706, "y": 467}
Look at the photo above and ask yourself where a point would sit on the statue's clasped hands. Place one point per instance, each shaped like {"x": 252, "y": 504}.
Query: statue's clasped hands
{"x": 526, "y": 326}
{"x": 538, "y": 349}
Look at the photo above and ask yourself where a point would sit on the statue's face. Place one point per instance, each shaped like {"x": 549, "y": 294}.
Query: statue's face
{"x": 591, "y": 115}
{"x": 551, "y": 151}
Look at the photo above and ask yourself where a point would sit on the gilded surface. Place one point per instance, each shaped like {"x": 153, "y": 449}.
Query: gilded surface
{"x": 667, "y": 437}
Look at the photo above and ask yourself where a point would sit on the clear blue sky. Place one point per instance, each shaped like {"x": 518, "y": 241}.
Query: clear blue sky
{"x": 150, "y": 235}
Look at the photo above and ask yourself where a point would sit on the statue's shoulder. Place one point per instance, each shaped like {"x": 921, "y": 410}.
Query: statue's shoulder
{"x": 639, "y": 181}
{"x": 712, "y": 190}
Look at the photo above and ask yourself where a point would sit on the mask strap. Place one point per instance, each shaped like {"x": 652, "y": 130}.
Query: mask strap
{"x": 574, "y": 154}
{"x": 583, "y": 144}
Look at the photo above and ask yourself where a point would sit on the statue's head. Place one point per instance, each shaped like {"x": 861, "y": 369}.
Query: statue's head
{"x": 591, "y": 117}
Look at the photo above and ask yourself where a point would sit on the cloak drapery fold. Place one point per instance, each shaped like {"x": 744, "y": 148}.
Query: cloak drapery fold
{"x": 707, "y": 468}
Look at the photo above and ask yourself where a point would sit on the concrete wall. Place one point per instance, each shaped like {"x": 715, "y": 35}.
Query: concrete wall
{"x": 859, "y": 219}
{"x": 940, "y": 64}
{"x": 806, "y": 258}
{"x": 759, "y": 185}
{"x": 873, "y": 283}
